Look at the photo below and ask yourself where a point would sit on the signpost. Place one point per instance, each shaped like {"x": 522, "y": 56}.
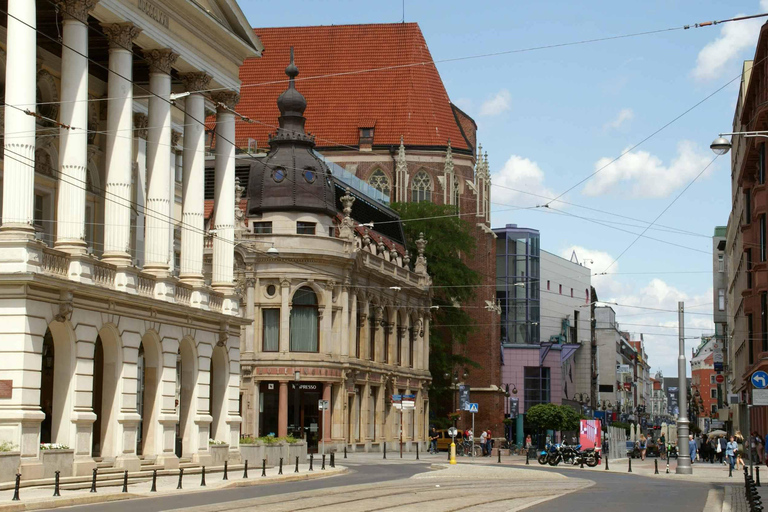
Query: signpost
{"x": 323, "y": 405}
{"x": 473, "y": 408}
{"x": 719, "y": 379}
{"x": 452, "y": 432}
{"x": 401, "y": 402}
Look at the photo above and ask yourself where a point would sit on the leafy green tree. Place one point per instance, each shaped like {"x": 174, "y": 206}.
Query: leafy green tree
{"x": 450, "y": 244}
{"x": 545, "y": 416}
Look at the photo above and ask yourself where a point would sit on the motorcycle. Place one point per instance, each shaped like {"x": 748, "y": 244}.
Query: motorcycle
{"x": 590, "y": 457}
{"x": 545, "y": 454}
{"x": 565, "y": 453}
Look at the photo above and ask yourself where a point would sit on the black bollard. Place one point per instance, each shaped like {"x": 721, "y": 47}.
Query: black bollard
{"x": 581, "y": 462}
{"x": 630, "y": 465}
{"x": 154, "y": 481}
{"x": 333, "y": 460}
{"x": 526, "y": 458}
{"x": 297, "y": 466}
{"x": 93, "y": 480}
{"x": 757, "y": 476}
{"x": 245, "y": 469}
{"x": 417, "y": 451}
{"x": 385, "y": 449}
{"x": 263, "y": 467}
{"x": 449, "y": 454}
{"x": 730, "y": 471}
{"x": 280, "y": 472}
{"x": 225, "y": 471}
{"x": 202, "y": 480}
{"x": 655, "y": 466}
{"x": 499, "y": 456}
{"x": 56, "y": 485}
{"x": 16, "y": 488}
{"x": 345, "y": 451}
{"x": 125, "y": 481}
{"x": 323, "y": 466}
{"x": 606, "y": 462}
{"x": 181, "y": 475}
{"x": 311, "y": 460}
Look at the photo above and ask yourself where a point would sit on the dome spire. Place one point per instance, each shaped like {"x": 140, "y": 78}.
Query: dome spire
{"x": 292, "y": 103}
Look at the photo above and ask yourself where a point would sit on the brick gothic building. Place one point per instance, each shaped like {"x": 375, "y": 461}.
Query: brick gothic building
{"x": 396, "y": 129}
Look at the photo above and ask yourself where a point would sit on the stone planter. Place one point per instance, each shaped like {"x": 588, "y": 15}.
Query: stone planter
{"x": 9, "y": 465}
{"x": 57, "y": 460}
{"x": 219, "y": 453}
{"x": 299, "y": 450}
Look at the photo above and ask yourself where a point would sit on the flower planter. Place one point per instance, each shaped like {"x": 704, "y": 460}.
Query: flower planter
{"x": 219, "y": 453}
{"x": 9, "y": 465}
{"x": 57, "y": 460}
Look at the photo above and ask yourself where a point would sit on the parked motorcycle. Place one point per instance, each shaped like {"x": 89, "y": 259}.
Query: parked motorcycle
{"x": 590, "y": 457}
{"x": 544, "y": 456}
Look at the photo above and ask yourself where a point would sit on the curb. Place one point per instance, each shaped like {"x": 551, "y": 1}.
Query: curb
{"x": 43, "y": 504}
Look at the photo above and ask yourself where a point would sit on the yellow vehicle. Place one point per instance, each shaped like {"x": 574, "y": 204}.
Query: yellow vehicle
{"x": 444, "y": 441}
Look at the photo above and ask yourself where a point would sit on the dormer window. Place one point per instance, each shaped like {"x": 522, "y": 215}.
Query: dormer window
{"x": 310, "y": 175}
{"x": 278, "y": 174}
{"x": 366, "y": 136}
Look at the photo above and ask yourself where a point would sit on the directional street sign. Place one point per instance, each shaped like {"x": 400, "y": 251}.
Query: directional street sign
{"x": 397, "y": 398}
{"x": 473, "y": 407}
{"x": 408, "y": 404}
{"x": 760, "y": 379}
{"x": 409, "y": 397}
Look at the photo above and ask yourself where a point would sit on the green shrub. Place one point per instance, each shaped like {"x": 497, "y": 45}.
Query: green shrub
{"x": 7, "y": 446}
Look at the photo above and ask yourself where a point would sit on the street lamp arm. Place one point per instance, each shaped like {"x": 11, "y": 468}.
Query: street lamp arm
{"x": 763, "y": 133}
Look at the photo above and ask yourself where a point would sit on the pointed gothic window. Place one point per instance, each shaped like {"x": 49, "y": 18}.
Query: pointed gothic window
{"x": 380, "y": 182}
{"x": 456, "y": 193}
{"x": 421, "y": 187}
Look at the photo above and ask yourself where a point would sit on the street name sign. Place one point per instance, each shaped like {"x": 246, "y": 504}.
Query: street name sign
{"x": 759, "y": 397}
{"x": 760, "y": 380}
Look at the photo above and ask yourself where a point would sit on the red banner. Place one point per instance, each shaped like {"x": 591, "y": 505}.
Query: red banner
{"x": 589, "y": 435}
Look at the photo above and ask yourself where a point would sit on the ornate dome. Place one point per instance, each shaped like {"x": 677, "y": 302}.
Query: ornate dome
{"x": 291, "y": 177}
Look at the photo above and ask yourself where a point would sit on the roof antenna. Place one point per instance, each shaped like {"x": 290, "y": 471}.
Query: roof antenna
{"x": 403, "y": 20}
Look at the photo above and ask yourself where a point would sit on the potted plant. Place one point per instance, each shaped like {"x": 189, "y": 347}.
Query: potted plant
{"x": 56, "y": 457}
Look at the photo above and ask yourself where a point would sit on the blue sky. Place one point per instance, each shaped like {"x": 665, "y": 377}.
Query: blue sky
{"x": 549, "y": 118}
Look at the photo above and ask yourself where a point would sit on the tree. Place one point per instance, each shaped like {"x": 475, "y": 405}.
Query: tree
{"x": 553, "y": 417}
{"x": 450, "y": 244}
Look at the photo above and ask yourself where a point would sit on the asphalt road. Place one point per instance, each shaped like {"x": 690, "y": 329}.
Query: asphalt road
{"x": 359, "y": 474}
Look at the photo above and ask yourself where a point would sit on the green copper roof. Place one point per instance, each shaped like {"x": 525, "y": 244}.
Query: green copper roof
{"x": 720, "y": 230}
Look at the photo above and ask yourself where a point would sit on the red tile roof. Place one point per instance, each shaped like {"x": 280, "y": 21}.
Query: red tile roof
{"x": 409, "y": 101}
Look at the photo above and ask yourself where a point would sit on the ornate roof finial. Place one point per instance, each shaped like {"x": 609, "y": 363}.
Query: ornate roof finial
{"x": 421, "y": 260}
{"x": 401, "y": 165}
{"x": 486, "y": 167}
{"x": 448, "y": 159}
{"x": 292, "y": 103}
{"x": 347, "y": 224}
{"x": 291, "y": 70}
{"x": 479, "y": 163}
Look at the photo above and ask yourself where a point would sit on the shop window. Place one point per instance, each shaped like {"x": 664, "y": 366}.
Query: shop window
{"x": 305, "y": 323}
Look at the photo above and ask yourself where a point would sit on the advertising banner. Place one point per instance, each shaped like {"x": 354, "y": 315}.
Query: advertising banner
{"x": 463, "y": 397}
{"x": 589, "y": 435}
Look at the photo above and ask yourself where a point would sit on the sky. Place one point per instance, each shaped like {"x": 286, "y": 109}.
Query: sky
{"x": 549, "y": 118}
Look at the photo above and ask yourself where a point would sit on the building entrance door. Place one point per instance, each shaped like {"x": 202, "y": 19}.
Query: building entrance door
{"x": 303, "y": 415}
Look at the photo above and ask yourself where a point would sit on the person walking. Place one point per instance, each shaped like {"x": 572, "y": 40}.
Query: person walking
{"x": 759, "y": 443}
{"x": 662, "y": 447}
{"x": 693, "y": 448}
{"x": 712, "y": 449}
{"x": 731, "y": 448}
{"x": 483, "y": 441}
{"x": 433, "y": 437}
{"x": 643, "y": 446}
{"x": 739, "y": 449}
{"x": 723, "y": 443}
{"x": 489, "y": 443}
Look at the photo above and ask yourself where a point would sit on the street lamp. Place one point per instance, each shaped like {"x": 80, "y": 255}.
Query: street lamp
{"x": 721, "y": 145}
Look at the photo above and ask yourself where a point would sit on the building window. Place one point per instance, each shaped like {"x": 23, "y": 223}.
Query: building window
{"x": 571, "y": 292}
{"x": 762, "y": 238}
{"x": 586, "y": 294}
{"x": 747, "y": 206}
{"x": 270, "y": 331}
{"x": 721, "y": 263}
{"x": 761, "y": 164}
{"x": 421, "y": 187}
{"x": 714, "y": 408}
{"x": 712, "y": 392}
{"x": 712, "y": 379}
{"x": 536, "y": 385}
{"x": 305, "y": 228}
{"x": 547, "y": 284}
{"x": 411, "y": 346}
{"x": 358, "y": 329}
{"x": 749, "y": 268}
{"x": 399, "y": 358}
{"x": 366, "y": 136}
{"x": 721, "y": 299}
{"x": 764, "y": 319}
{"x": 561, "y": 289}
{"x": 305, "y": 322}
{"x": 372, "y": 334}
{"x": 387, "y": 328}
{"x": 380, "y": 182}
{"x": 262, "y": 228}
{"x": 750, "y": 339}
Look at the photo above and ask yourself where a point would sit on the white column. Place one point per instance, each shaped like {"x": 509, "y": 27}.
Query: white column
{"x": 176, "y": 152}
{"x": 193, "y": 185}
{"x": 158, "y": 161}
{"x": 117, "y": 207}
{"x": 140, "y": 157}
{"x": 73, "y": 141}
{"x": 224, "y": 194}
{"x": 19, "y": 132}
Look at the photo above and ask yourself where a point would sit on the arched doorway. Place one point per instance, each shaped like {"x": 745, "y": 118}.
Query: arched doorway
{"x": 219, "y": 384}
{"x": 56, "y": 368}
{"x": 149, "y": 375}
{"x": 186, "y": 378}
{"x": 106, "y": 378}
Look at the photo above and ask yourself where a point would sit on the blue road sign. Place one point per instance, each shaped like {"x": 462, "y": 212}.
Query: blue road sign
{"x": 409, "y": 397}
{"x": 760, "y": 379}
{"x": 397, "y": 398}
{"x": 473, "y": 407}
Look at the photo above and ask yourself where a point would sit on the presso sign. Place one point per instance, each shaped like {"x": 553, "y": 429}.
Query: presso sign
{"x": 306, "y": 386}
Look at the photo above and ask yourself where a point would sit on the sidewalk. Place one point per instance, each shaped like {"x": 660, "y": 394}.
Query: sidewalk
{"x": 42, "y": 497}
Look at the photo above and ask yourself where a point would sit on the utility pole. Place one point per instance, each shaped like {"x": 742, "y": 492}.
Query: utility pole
{"x": 683, "y": 454}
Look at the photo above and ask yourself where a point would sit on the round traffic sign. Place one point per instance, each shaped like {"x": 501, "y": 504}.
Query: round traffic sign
{"x": 452, "y": 432}
{"x": 719, "y": 379}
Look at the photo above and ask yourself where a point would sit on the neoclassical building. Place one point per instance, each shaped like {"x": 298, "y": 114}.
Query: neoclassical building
{"x": 340, "y": 311}
{"x": 115, "y": 343}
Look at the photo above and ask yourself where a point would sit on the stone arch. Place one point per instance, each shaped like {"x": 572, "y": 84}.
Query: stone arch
{"x": 107, "y": 389}
{"x": 219, "y": 393}
{"x": 188, "y": 394}
{"x": 47, "y": 98}
{"x": 58, "y": 360}
{"x": 150, "y": 374}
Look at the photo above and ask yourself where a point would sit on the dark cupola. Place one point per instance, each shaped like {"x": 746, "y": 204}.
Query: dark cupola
{"x": 291, "y": 177}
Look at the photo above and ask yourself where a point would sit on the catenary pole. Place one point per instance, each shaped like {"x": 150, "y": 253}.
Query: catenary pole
{"x": 683, "y": 455}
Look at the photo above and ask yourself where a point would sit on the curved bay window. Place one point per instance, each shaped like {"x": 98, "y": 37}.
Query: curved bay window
{"x": 305, "y": 322}
{"x": 421, "y": 187}
{"x": 380, "y": 182}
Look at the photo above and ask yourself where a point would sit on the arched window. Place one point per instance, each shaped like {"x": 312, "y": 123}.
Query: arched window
{"x": 421, "y": 187}
{"x": 305, "y": 323}
{"x": 456, "y": 193}
{"x": 380, "y": 182}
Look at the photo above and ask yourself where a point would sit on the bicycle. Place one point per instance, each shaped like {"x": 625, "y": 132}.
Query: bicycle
{"x": 466, "y": 448}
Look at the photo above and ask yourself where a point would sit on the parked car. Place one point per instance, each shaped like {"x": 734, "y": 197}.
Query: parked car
{"x": 444, "y": 441}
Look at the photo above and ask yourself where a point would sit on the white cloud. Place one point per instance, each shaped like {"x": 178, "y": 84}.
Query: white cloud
{"x": 624, "y": 115}
{"x": 597, "y": 262}
{"x": 526, "y": 178}
{"x": 734, "y": 39}
{"x": 499, "y": 103}
{"x": 646, "y": 175}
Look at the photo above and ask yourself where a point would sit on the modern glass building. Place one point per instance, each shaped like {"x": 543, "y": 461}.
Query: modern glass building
{"x": 517, "y": 284}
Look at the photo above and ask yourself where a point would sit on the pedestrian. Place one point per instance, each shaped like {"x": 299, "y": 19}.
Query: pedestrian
{"x": 433, "y": 437}
{"x": 484, "y": 441}
{"x": 662, "y": 447}
{"x": 699, "y": 442}
{"x": 723, "y": 443}
{"x": 740, "y": 449}
{"x": 643, "y": 446}
{"x": 489, "y": 443}
{"x": 712, "y": 450}
{"x": 731, "y": 449}
{"x": 692, "y": 448}
{"x": 528, "y": 442}
{"x": 759, "y": 443}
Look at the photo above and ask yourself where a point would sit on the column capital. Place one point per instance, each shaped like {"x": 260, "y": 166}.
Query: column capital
{"x": 160, "y": 60}
{"x": 196, "y": 81}
{"x": 140, "y": 124}
{"x": 76, "y": 9}
{"x": 227, "y": 98}
{"x": 121, "y": 35}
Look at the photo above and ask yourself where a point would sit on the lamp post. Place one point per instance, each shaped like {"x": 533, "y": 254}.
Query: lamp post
{"x": 721, "y": 145}
{"x": 454, "y": 378}
{"x": 684, "y": 456}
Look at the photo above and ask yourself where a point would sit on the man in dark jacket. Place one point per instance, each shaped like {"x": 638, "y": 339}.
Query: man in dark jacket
{"x": 723, "y": 447}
